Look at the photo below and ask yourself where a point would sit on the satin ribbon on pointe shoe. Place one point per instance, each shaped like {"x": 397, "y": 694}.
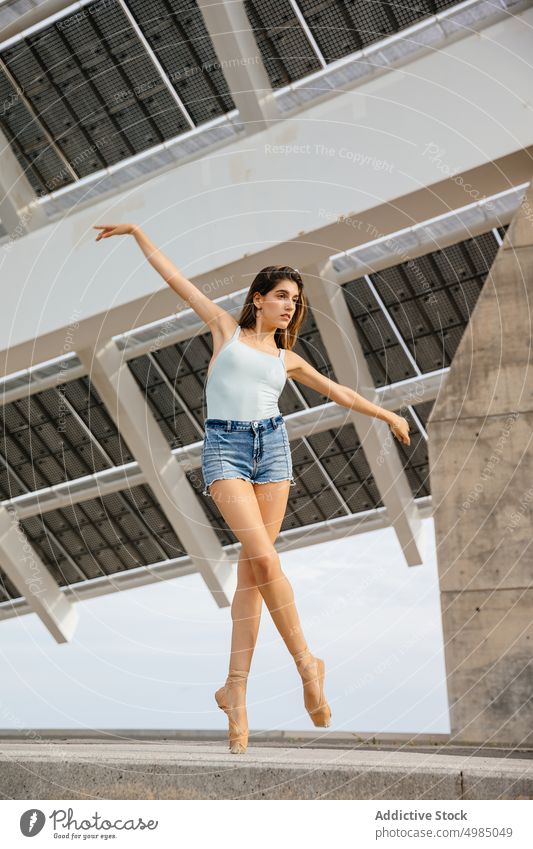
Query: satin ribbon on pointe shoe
{"x": 312, "y": 669}
{"x": 238, "y": 737}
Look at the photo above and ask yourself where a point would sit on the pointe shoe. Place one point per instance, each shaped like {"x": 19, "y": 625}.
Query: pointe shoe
{"x": 238, "y": 737}
{"x": 313, "y": 669}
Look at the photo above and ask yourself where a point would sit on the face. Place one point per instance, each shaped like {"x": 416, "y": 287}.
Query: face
{"x": 279, "y": 304}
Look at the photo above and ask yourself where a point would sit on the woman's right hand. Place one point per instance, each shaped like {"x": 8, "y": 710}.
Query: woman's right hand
{"x": 400, "y": 428}
{"x": 114, "y": 230}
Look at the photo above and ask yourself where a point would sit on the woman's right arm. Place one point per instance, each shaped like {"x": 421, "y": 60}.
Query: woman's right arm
{"x": 213, "y": 315}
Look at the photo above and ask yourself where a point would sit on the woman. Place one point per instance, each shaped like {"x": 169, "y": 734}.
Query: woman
{"x": 246, "y": 459}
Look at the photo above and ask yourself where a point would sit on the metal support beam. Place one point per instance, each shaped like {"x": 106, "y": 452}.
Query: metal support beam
{"x": 339, "y": 336}
{"x": 241, "y": 62}
{"x": 111, "y": 377}
{"x": 27, "y": 572}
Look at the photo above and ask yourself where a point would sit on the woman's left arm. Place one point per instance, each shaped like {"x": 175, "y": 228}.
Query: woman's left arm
{"x": 300, "y": 370}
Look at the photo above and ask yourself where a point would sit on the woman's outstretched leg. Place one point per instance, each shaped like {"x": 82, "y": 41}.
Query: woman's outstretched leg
{"x": 247, "y": 601}
{"x": 238, "y": 505}
{"x": 246, "y": 616}
{"x": 243, "y": 516}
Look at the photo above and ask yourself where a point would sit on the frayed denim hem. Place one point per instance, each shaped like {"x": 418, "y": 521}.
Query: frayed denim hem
{"x": 240, "y": 478}
{"x": 225, "y": 478}
{"x": 277, "y": 480}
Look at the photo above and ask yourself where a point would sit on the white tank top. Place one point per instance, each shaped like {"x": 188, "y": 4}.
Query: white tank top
{"x": 244, "y": 383}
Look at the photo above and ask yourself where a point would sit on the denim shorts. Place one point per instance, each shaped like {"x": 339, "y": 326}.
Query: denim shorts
{"x": 256, "y": 451}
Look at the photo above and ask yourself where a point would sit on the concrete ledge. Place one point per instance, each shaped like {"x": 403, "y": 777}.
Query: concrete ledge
{"x": 205, "y": 770}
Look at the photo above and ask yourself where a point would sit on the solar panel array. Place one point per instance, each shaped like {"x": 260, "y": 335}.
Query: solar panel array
{"x": 177, "y": 34}
{"x": 55, "y": 436}
{"x": 429, "y": 300}
{"x": 99, "y": 537}
{"x": 84, "y": 92}
{"x": 338, "y": 28}
{"x": 89, "y": 85}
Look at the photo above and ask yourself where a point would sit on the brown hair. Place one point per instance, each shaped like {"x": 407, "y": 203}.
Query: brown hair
{"x": 263, "y": 282}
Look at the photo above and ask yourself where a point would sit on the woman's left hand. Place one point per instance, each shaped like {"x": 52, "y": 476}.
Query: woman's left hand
{"x": 400, "y": 428}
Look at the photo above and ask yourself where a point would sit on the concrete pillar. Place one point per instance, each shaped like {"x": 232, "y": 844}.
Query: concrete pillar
{"x": 481, "y": 468}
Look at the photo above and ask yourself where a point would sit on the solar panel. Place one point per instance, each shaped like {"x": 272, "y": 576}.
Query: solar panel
{"x": 429, "y": 300}
{"x": 385, "y": 358}
{"x": 50, "y": 437}
{"x": 339, "y": 27}
{"x": 111, "y": 81}
{"x": 177, "y": 34}
{"x": 100, "y": 537}
{"x": 91, "y": 85}
{"x": 36, "y": 156}
{"x": 285, "y": 49}
{"x": 184, "y": 365}
{"x": 423, "y": 411}
{"x": 340, "y": 453}
{"x": 8, "y": 591}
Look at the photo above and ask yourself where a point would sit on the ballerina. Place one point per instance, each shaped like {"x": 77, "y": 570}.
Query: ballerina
{"x": 246, "y": 458}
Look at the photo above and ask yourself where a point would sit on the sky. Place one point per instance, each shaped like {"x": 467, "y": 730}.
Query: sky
{"x": 152, "y": 657}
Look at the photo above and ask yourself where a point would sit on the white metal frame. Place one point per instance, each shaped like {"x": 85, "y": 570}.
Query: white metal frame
{"x": 27, "y": 572}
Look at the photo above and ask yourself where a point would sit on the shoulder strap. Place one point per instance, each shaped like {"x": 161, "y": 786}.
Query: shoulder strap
{"x": 282, "y": 354}
{"x": 237, "y": 332}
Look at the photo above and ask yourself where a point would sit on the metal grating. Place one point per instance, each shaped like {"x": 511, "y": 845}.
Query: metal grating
{"x": 171, "y": 381}
{"x": 429, "y": 301}
{"x": 51, "y": 437}
{"x": 339, "y": 28}
{"x": 39, "y": 160}
{"x": 92, "y": 88}
{"x": 100, "y": 537}
{"x": 176, "y": 32}
{"x": 286, "y": 52}
{"x": 340, "y": 455}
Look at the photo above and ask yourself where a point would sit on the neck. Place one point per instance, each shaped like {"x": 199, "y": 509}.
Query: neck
{"x": 260, "y": 334}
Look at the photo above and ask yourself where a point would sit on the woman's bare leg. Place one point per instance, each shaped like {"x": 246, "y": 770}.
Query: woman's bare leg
{"x": 248, "y": 602}
{"x": 240, "y": 509}
{"x": 271, "y": 498}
